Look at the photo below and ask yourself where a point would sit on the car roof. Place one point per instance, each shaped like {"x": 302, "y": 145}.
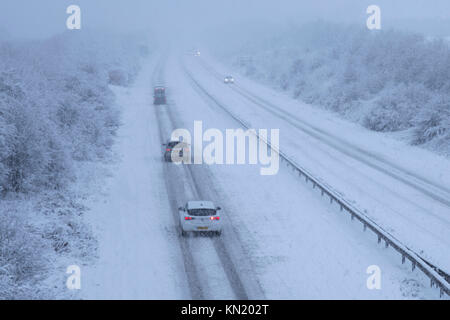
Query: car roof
{"x": 200, "y": 205}
{"x": 160, "y": 87}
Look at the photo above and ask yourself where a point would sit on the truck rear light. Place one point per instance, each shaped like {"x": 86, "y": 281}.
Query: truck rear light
{"x": 187, "y": 218}
{"x": 167, "y": 149}
{"x": 215, "y": 218}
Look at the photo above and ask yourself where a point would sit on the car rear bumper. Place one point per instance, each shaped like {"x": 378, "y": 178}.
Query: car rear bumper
{"x": 180, "y": 157}
{"x": 159, "y": 101}
{"x": 195, "y": 228}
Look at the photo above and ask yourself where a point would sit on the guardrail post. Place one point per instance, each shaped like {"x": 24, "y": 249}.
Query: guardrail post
{"x": 386, "y": 243}
{"x": 364, "y": 226}
{"x": 379, "y": 238}
{"x": 403, "y": 258}
{"x": 413, "y": 265}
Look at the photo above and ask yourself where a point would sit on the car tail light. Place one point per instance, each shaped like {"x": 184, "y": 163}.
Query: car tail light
{"x": 167, "y": 149}
{"x": 187, "y": 218}
{"x": 215, "y": 218}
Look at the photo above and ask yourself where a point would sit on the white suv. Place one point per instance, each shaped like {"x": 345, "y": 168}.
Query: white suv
{"x": 200, "y": 216}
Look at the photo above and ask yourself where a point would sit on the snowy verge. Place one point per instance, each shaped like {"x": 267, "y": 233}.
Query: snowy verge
{"x": 58, "y": 120}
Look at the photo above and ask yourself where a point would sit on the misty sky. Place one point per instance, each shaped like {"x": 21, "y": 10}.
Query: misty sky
{"x": 43, "y": 18}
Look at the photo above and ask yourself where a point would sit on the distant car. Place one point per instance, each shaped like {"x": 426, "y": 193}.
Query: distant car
{"x": 228, "y": 79}
{"x": 197, "y": 53}
{"x": 179, "y": 149}
{"x": 159, "y": 95}
{"x": 200, "y": 216}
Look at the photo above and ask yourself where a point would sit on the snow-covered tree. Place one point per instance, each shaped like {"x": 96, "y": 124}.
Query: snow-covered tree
{"x": 386, "y": 80}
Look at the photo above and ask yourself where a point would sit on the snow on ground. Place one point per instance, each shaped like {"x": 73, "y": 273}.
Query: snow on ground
{"x": 419, "y": 221}
{"x": 278, "y": 231}
{"x": 297, "y": 245}
{"x": 54, "y": 235}
{"x": 138, "y": 256}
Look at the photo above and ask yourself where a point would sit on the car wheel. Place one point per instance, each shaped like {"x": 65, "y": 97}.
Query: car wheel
{"x": 218, "y": 233}
{"x": 183, "y": 233}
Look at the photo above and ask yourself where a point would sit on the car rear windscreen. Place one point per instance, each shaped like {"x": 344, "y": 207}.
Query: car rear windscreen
{"x": 202, "y": 212}
{"x": 173, "y": 144}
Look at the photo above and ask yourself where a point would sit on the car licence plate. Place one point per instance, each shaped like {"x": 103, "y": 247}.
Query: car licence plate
{"x": 202, "y": 228}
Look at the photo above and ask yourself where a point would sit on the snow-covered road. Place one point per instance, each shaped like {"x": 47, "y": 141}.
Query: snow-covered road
{"x": 404, "y": 189}
{"x": 280, "y": 240}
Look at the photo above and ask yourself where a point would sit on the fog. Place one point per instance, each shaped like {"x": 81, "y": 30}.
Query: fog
{"x": 86, "y": 179}
{"x": 41, "y": 19}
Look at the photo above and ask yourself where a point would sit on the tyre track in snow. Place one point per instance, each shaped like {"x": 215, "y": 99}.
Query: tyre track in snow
{"x": 229, "y": 251}
{"x": 189, "y": 264}
{"x": 194, "y": 178}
